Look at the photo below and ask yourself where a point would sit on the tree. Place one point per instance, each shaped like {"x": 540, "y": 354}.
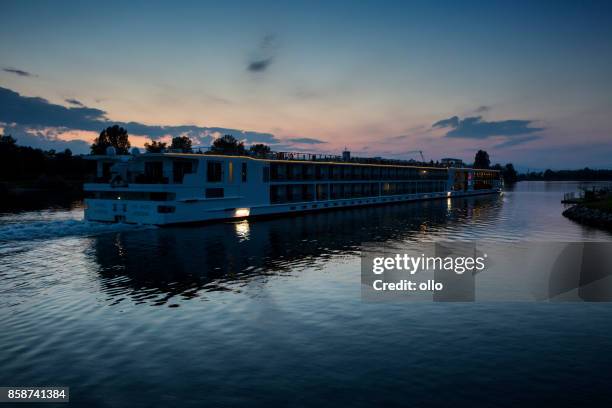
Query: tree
{"x": 259, "y": 150}
{"x": 7, "y": 142}
{"x": 155, "y": 147}
{"x": 227, "y": 144}
{"x": 509, "y": 173}
{"x": 549, "y": 174}
{"x": 9, "y": 157}
{"x": 114, "y": 136}
{"x": 482, "y": 161}
{"x": 182, "y": 143}
{"x": 24, "y": 163}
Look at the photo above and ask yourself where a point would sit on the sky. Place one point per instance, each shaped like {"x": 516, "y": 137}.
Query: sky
{"x": 528, "y": 81}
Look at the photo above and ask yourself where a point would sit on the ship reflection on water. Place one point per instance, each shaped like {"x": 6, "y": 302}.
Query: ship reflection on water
{"x": 157, "y": 265}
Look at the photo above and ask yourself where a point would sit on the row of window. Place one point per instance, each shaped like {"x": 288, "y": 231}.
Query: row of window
{"x": 486, "y": 175}
{"x": 153, "y": 172}
{"x": 299, "y": 171}
{"x": 286, "y": 193}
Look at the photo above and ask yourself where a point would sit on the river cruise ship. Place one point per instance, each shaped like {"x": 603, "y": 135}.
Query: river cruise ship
{"x": 173, "y": 188}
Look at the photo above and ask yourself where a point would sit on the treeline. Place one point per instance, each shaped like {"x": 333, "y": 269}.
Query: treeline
{"x": 29, "y": 167}
{"x": 118, "y": 138}
{"x": 226, "y": 144}
{"x": 585, "y": 174}
{"x": 508, "y": 172}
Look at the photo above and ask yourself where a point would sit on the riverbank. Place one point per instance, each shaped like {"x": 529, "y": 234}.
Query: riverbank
{"x": 598, "y": 214}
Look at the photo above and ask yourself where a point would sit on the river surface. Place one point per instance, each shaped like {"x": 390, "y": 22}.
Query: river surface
{"x": 269, "y": 312}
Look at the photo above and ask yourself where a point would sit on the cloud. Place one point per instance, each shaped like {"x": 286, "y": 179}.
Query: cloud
{"x": 411, "y": 133}
{"x": 38, "y": 113}
{"x": 264, "y": 55}
{"x": 450, "y": 122}
{"x": 289, "y": 147}
{"x": 306, "y": 140}
{"x": 400, "y": 137}
{"x": 45, "y": 138}
{"x": 18, "y": 72}
{"x": 258, "y": 66}
{"x": 75, "y": 102}
{"x": 482, "y": 109}
{"x": 517, "y": 141}
{"x": 476, "y": 128}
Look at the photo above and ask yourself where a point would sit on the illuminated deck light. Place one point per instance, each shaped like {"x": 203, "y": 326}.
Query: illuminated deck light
{"x": 242, "y": 212}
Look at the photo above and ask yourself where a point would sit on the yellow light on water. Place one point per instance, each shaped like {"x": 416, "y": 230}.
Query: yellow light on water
{"x": 242, "y": 229}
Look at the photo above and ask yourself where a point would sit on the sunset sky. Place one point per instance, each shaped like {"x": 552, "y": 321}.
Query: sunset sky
{"x": 530, "y": 82}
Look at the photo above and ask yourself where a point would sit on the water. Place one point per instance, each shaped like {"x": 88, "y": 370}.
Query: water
{"x": 269, "y": 312}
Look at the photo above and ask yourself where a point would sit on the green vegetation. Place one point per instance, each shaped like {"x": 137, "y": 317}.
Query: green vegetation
{"x": 181, "y": 143}
{"x": 155, "y": 147}
{"x": 482, "y": 161}
{"x": 593, "y": 208}
{"x": 227, "y": 145}
{"x": 113, "y": 136}
{"x": 602, "y": 204}
{"x": 585, "y": 174}
{"x": 508, "y": 172}
{"x": 24, "y": 169}
{"x": 259, "y": 150}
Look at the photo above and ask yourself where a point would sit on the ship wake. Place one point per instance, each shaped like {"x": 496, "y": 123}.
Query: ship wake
{"x": 37, "y": 230}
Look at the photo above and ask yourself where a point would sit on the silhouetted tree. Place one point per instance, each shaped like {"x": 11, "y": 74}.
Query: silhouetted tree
{"x": 155, "y": 147}
{"x": 509, "y": 173}
{"x": 30, "y": 165}
{"x": 482, "y": 161}
{"x": 259, "y": 150}
{"x": 114, "y": 136}
{"x": 227, "y": 144}
{"x": 182, "y": 143}
{"x": 7, "y": 142}
{"x": 549, "y": 174}
{"x": 585, "y": 174}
